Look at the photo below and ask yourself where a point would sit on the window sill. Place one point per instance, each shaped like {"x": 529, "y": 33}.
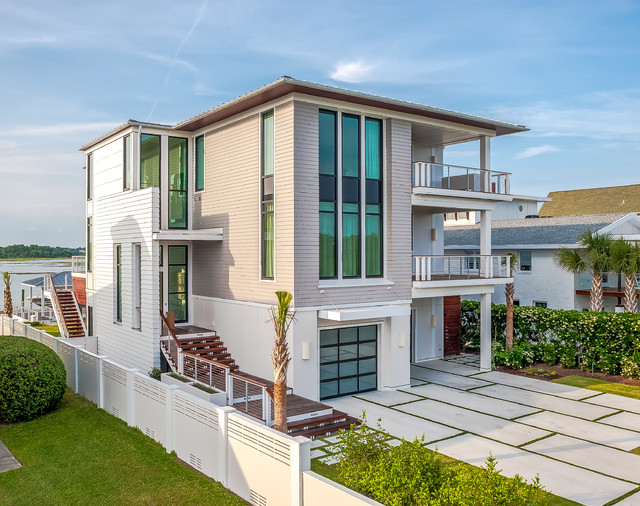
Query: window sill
{"x": 349, "y": 283}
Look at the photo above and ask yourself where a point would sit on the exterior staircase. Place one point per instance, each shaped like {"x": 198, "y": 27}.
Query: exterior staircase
{"x": 69, "y": 309}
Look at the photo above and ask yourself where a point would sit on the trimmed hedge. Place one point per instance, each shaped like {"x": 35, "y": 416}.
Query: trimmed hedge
{"x": 32, "y": 379}
{"x": 593, "y": 341}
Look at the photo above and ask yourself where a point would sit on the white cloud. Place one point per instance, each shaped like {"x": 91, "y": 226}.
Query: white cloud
{"x": 30, "y": 41}
{"x": 352, "y": 72}
{"x": 168, "y": 61}
{"x": 58, "y": 129}
{"x": 537, "y": 150}
{"x": 7, "y": 144}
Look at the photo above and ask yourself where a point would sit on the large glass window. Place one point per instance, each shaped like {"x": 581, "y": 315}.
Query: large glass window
{"x": 373, "y": 220}
{"x": 178, "y": 282}
{"x": 126, "y": 162}
{"x": 525, "y": 260}
{"x": 350, "y": 196}
{"x": 89, "y": 175}
{"x": 118, "y": 282}
{"x": 348, "y": 361}
{"x": 267, "y": 200}
{"x": 328, "y": 194}
{"x": 89, "y": 244}
{"x": 149, "y": 161}
{"x": 177, "y": 182}
{"x": 199, "y": 163}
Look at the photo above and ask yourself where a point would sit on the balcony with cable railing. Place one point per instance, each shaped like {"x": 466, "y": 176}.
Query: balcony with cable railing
{"x": 455, "y": 179}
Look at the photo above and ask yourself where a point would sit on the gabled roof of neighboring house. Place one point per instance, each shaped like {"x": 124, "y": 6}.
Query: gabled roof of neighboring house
{"x": 58, "y": 280}
{"x": 529, "y": 232}
{"x": 286, "y": 85}
{"x": 611, "y": 199}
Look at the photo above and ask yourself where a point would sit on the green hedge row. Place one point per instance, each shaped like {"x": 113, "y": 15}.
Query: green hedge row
{"x": 593, "y": 341}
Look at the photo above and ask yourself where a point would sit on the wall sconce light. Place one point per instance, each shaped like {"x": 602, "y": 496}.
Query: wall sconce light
{"x": 434, "y": 234}
{"x": 434, "y": 320}
{"x": 306, "y": 350}
{"x": 401, "y": 339}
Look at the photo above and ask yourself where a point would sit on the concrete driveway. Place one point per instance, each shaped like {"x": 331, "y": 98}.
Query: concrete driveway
{"x": 577, "y": 440}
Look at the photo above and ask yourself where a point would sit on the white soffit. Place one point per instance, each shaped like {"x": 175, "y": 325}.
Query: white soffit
{"x": 364, "y": 313}
{"x": 206, "y": 234}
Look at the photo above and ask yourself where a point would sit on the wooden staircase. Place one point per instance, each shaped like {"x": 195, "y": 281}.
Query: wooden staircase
{"x": 209, "y": 347}
{"x": 69, "y": 309}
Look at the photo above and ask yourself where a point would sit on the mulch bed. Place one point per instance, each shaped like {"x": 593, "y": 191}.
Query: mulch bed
{"x": 561, "y": 372}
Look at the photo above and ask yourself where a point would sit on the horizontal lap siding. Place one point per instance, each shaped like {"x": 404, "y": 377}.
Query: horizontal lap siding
{"x": 127, "y": 219}
{"x": 397, "y": 227}
{"x": 231, "y": 200}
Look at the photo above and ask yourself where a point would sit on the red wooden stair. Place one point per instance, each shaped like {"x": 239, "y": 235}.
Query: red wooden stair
{"x": 69, "y": 309}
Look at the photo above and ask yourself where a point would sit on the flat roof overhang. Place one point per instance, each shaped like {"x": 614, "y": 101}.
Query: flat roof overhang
{"x": 208, "y": 234}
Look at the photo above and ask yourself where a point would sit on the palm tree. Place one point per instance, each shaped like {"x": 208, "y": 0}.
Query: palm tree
{"x": 8, "y": 304}
{"x": 509, "y": 290}
{"x": 594, "y": 257}
{"x": 282, "y": 317}
{"x": 626, "y": 260}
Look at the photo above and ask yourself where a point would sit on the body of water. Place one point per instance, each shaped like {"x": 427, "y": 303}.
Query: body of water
{"x": 22, "y": 270}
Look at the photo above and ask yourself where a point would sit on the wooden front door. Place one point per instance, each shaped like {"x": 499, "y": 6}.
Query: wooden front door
{"x": 452, "y": 325}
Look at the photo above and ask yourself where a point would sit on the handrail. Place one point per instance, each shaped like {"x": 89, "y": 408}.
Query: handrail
{"x": 57, "y": 308}
{"x": 458, "y": 256}
{"x": 459, "y": 178}
{"x": 248, "y": 380}
{"x": 171, "y": 332}
{"x": 464, "y": 167}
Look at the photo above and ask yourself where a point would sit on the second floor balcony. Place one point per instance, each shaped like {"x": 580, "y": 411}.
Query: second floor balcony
{"x": 78, "y": 264}
{"x": 456, "y": 178}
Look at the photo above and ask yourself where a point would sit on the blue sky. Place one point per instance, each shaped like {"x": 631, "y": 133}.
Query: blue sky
{"x": 71, "y": 70}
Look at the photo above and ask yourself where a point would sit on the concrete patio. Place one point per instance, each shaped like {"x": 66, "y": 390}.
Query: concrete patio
{"x": 577, "y": 440}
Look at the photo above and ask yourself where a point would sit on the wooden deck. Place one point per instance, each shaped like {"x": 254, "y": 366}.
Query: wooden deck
{"x": 607, "y": 292}
{"x": 457, "y": 277}
{"x": 183, "y": 330}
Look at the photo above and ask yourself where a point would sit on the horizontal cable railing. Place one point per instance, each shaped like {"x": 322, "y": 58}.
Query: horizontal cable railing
{"x": 79, "y": 264}
{"x": 439, "y": 267}
{"x": 457, "y": 177}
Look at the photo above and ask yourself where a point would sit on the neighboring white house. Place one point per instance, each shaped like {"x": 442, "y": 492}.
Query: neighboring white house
{"x": 336, "y": 196}
{"x": 539, "y": 281}
{"x": 522, "y": 206}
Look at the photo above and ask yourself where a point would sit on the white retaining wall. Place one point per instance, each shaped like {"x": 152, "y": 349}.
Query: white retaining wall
{"x": 257, "y": 463}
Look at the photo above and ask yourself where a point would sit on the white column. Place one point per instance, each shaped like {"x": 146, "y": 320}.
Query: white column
{"x": 485, "y": 332}
{"x": 485, "y": 161}
{"x": 485, "y": 242}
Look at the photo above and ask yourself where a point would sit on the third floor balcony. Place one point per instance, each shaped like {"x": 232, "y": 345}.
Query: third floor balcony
{"x": 459, "y": 181}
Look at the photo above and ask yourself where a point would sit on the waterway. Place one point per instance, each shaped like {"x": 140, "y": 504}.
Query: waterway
{"x": 23, "y": 270}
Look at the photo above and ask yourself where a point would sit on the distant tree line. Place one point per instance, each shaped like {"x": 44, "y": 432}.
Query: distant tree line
{"x": 35, "y": 251}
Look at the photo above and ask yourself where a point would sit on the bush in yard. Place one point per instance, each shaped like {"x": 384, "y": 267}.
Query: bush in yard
{"x": 32, "y": 379}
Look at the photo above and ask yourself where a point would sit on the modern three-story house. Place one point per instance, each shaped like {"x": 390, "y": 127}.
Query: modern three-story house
{"x": 336, "y": 196}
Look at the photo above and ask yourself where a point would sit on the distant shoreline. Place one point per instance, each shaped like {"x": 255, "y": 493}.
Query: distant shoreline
{"x": 34, "y": 258}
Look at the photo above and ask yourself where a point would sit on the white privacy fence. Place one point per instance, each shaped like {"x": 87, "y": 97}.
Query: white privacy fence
{"x": 261, "y": 465}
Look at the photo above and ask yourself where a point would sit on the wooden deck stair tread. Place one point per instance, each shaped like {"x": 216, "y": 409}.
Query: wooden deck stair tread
{"x": 70, "y": 314}
{"x": 317, "y": 420}
{"x": 327, "y": 429}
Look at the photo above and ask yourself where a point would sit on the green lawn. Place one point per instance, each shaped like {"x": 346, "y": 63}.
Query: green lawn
{"x": 82, "y": 455}
{"x": 52, "y": 330}
{"x": 600, "y": 386}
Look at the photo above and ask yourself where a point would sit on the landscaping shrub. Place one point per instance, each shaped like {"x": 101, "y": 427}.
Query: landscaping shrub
{"x": 410, "y": 474}
{"x": 32, "y": 379}
{"x": 155, "y": 373}
{"x": 630, "y": 367}
{"x": 593, "y": 341}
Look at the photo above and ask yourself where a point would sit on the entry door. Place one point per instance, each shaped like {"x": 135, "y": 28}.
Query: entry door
{"x": 452, "y": 325}
{"x": 177, "y": 282}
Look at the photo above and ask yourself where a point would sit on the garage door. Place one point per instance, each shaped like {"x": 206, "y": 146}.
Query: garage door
{"x": 348, "y": 361}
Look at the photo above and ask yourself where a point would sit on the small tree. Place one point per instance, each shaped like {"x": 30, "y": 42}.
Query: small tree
{"x": 594, "y": 257}
{"x": 626, "y": 260}
{"x": 8, "y": 303}
{"x": 282, "y": 317}
{"x": 509, "y": 290}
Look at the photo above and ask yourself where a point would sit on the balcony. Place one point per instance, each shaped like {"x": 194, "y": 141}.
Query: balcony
{"x": 456, "y": 178}
{"x": 459, "y": 274}
{"x": 78, "y": 264}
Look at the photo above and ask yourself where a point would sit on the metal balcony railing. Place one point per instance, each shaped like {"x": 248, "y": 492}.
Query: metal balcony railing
{"x": 447, "y": 267}
{"x": 457, "y": 177}
{"x": 79, "y": 264}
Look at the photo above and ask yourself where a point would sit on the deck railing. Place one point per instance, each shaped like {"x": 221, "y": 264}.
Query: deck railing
{"x": 458, "y": 177}
{"x": 79, "y": 264}
{"x": 443, "y": 267}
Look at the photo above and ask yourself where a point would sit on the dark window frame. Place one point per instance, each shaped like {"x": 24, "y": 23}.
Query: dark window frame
{"x": 118, "y": 283}
{"x": 186, "y": 279}
{"x": 89, "y": 176}
{"x": 126, "y": 162}
{"x": 185, "y": 191}
{"x": 335, "y": 200}
{"x": 267, "y": 183}
{"x": 198, "y": 179}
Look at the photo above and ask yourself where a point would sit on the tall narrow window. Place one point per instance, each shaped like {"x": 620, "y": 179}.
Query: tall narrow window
{"x": 178, "y": 278}
{"x": 199, "y": 163}
{"x": 149, "y": 161}
{"x": 177, "y": 182}
{"x": 350, "y": 196}
{"x": 328, "y": 194}
{"x": 373, "y": 216}
{"x": 89, "y": 244}
{"x": 89, "y": 175}
{"x": 268, "y": 163}
{"x": 118, "y": 282}
{"x": 136, "y": 292}
{"x": 89, "y": 320}
{"x": 126, "y": 162}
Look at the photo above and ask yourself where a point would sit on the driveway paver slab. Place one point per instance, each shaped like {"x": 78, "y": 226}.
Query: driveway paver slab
{"x": 445, "y": 378}
{"x": 625, "y": 420}
{"x": 605, "y": 460}
{"x": 449, "y": 366}
{"x": 546, "y": 401}
{"x": 617, "y": 402}
{"x": 568, "y": 481}
{"x": 7, "y": 460}
{"x": 389, "y": 397}
{"x": 396, "y": 423}
{"x": 584, "y": 429}
{"x": 478, "y": 423}
{"x": 472, "y": 400}
{"x": 632, "y": 500}
{"x": 536, "y": 385}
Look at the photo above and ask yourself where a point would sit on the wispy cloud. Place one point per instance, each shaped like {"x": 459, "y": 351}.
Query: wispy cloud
{"x": 352, "y": 72}
{"x": 57, "y": 129}
{"x": 7, "y": 144}
{"x": 36, "y": 40}
{"x": 168, "y": 61}
{"x": 536, "y": 150}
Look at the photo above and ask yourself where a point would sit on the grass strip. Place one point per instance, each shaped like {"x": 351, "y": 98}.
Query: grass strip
{"x": 80, "y": 454}
{"x": 600, "y": 386}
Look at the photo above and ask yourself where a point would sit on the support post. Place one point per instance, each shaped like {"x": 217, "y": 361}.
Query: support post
{"x": 485, "y": 242}
{"x": 485, "y": 162}
{"x": 485, "y": 332}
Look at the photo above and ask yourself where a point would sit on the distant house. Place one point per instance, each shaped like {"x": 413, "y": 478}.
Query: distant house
{"x": 613, "y": 199}
{"x": 539, "y": 281}
{"x": 522, "y": 206}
